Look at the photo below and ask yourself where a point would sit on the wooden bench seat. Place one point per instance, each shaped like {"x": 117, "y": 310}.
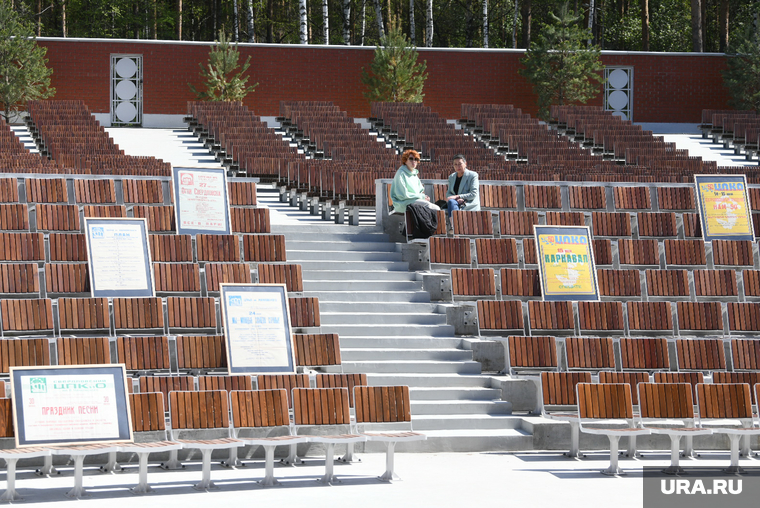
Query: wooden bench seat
{"x": 472, "y": 223}
{"x": 104, "y": 211}
{"x": 66, "y": 247}
{"x": 708, "y": 283}
{"x": 317, "y": 349}
{"x": 19, "y": 278}
{"x": 614, "y": 224}
{"x": 551, "y": 315}
{"x": 264, "y": 248}
{"x": 602, "y": 252}
{"x": 517, "y": 223}
{"x": 20, "y": 316}
{"x": 520, "y": 282}
{"x": 751, "y": 279}
{"x": 657, "y": 224}
{"x": 631, "y": 198}
{"x": 732, "y": 253}
{"x": 473, "y": 283}
{"x": 531, "y": 354}
{"x": 700, "y": 354}
{"x": 601, "y": 316}
{"x": 630, "y": 378}
{"x": 639, "y": 252}
{"x": 176, "y": 277}
{"x": 250, "y": 220}
{"x": 348, "y": 381}
{"x": 496, "y": 251}
{"x": 46, "y": 190}
{"x": 84, "y": 314}
{"x": 12, "y": 455}
{"x": 21, "y": 247}
{"x": 161, "y": 219}
{"x": 9, "y": 190}
{"x": 57, "y": 217}
{"x": 542, "y": 196}
{"x": 700, "y": 316}
{"x": 587, "y": 198}
{"x": 94, "y": 191}
{"x": 191, "y": 312}
{"x": 619, "y": 283}
{"x": 67, "y": 278}
{"x": 498, "y": 196}
{"x": 23, "y": 353}
{"x": 304, "y": 312}
{"x": 649, "y": 316}
{"x": 751, "y": 378}
{"x": 559, "y": 402}
{"x": 667, "y": 283}
{"x": 218, "y": 248}
{"x": 166, "y": 384}
{"x": 201, "y": 353}
{"x": 219, "y": 273}
{"x": 138, "y": 313}
{"x": 745, "y": 354}
{"x": 142, "y": 191}
{"x": 530, "y": 253}
{"x": 15, "y": 217}
{"x": 171, "y": 248}
{"x": 284, "y": 381}
{"x": 83, "y": 351}
{"x": 685, "y": 253}
{"x": 743, "y": 317}
{"x": 289, "y": 274}
{"x": 565, "y": 219}
{"x": 693, "y": 378}
{"x": 500, "y": 315}
{"x": 650, "y": 354}
{"x": 241, "y": 193}
{"x": 450, "y": 251}
{"x": 589, "y": 353}
{"x": 692, "y": 225}
{"x": 226, "y": 383}
{"x": 143, "y": 353}
{"x": 676, "y": 198}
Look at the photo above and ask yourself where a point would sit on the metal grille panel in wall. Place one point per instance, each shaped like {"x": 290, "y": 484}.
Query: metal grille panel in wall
{"x": 618, "y": 91}
{"x": 126, "y": 90}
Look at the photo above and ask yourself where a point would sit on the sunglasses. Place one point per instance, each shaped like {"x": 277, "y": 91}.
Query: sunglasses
{"x": 414, "y": 159}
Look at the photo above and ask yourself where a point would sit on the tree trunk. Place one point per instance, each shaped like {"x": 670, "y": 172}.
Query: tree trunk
{"x": 235, "y": 21}
{"x": 304, "y": 39}
{"x": 590, "y": 20}
{"x": 179, "y": 20}
{"x": 723, "y": 22}
{"x": 526, "y": 20}
{"x": 270, "y": 21}
{"x": 39, "y": 18}
{"x": 696, "y": 26}
{"x": 63, "y": 18}
{"x": 251, "y": 27}
{"x": 411, "y": 22}
{"x": 514, "y": 25}
{"x": 644, "y": 25}
{"x": 429, "y": 25}
{"x": 379, "y": 18}
{"x": 364, "y": 20}
{"x": 485, "y": 23}
{"x": 325, "y": 23}
{"x": 347, "y": 22}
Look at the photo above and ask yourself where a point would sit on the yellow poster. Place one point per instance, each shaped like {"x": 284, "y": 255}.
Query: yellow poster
{"x": 566, "y": 262}
{"x": 724, "y": 207}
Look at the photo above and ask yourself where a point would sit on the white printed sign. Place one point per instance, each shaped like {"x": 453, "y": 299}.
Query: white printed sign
{"x": 201, "y": 201}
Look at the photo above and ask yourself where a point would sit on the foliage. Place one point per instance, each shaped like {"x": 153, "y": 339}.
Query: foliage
{"x": 560, "y": 65}
{"x": 742, "y": 74}
{"x": 23, "y": 73}
{"x": 395, "y": 76}
{"x": 223, "y": 80}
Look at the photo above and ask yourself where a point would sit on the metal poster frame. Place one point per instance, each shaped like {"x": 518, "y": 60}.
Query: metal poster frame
{"x": 263, "y": 308}
{"x": 705, "y": 212}
{"x": 81, "y": 389}
{"x": 194, "y": 173}
{"x": 98, "y": 292}
{"x": 569, "y": 232}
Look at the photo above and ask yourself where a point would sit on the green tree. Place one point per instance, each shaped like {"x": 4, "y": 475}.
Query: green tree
{"x": 23, "y": 73}
{"x": 396, "y": 75}
{"x": 560, "y": 66}
{"x": 742, "y": 74}
{"x": 222, "y": 79}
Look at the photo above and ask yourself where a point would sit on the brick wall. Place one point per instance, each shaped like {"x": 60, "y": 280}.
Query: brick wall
{"x": 667, "y": 87}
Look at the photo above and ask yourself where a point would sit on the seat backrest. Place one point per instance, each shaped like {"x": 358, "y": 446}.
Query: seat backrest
{"x": 83, "y": 350}
{"x": 558, "y": 388}
{"x": 604, "y": 401}
{"x": 666, "y": 400}
{"x": 318, "y": 349}
{"x": 23, "y": 352}
{"x": 199, "y": 410}
{"x": 631, "y": 378}
{"x": 728, "y": 400}
{"x": 348, "y": 381}
{"x": 204, "y": 352}
{"x": 143, "y": 353}
{"x": 165, "y": 385}
{"x": 700, "y": 354}
{"x": 147, "y": 411}
{"x": 376, "y": 404}
{"x": 6, "y": 418}
{"x": 286, "y": 381}
{"x": 532, "y": 353}
{"x": 321, "y": 406}
{"x": 259, "y": 408}
{"x": 644, "y": 353}
{"x": 226, "y": 383}
{"x": 750, "y": 378}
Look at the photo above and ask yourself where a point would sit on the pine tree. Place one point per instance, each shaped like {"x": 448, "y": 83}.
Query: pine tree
{"x": 223, "y": 80}
{"x": 560, "y": 65}
{"x": 23, "y": 73}
{"x": 396, "y": 75}
{"x": 742, "y": 74}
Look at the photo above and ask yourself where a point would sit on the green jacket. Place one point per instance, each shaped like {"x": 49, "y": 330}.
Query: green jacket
{"x": 406, "y": 188}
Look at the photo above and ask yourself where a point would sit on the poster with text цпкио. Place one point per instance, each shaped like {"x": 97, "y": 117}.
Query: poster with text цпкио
{"x": 201, "y": 202}
{"x": 257, "y": 328}
{"x": 119, "y": 260}
{"x": 70, "y": 405}
{"x": 566, "y": 263}
{"x": 724, "y": 207}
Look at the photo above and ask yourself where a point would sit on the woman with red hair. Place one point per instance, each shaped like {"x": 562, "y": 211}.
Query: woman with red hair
{"x": 407, "y": 187}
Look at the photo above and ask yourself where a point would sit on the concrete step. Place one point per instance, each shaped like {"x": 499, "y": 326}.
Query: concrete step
{"x": 330, "y": 246}
{"x": 370, "y": 296}
{"x": 467, "y": 393}
{"x": 399, "y": 342}
{"x": 425, "y": 423}
{"x": 389, "y": 266}
{"x": 391, "y": 330}
{"x": 354, "y": 285}
{"x": 365, "y": 354}
{"x": 327, "y": 237}
{"x": 320, "y": 228}
{"x": 376, "y": 307}
{"x": 458, "y": 407}
{"x": 428, "y": 380}
{"x": 411, "y": 366}
{"x": 471, "y": 441}
{"x": 363, "y": 318}
{"x": 295, "y": 255}
{"x": 343, "y": 275}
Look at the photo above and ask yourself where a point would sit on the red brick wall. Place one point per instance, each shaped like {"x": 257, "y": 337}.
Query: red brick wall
{"x": 667, "y": 87}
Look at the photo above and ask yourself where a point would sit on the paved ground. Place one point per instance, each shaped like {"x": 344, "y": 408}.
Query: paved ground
{"x": 429, "y": 480}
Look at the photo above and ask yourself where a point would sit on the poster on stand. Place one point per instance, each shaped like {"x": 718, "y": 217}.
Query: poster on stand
{"x": 119, "y": 257}
{"x": 257, "y": 328}
{"x": 70, "y": 405}
{"x": 566, "y": 263}
{"x": 724, "y": 207}
{"x": 201, "y": 204}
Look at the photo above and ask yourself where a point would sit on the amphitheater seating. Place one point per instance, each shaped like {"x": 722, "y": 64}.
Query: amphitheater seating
{"x": 531, "y": 354}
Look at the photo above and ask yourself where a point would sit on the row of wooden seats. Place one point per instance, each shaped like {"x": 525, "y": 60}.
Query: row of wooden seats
{"x": 201, "y": 353}
{"x": 617, "y": 317}
{"x": 543, "y": 353}
{"x": 74, "y": 314}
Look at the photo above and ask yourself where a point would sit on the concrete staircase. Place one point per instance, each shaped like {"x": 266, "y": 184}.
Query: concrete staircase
{"x": 391, "y": 331}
